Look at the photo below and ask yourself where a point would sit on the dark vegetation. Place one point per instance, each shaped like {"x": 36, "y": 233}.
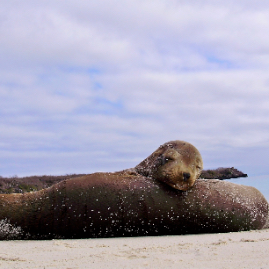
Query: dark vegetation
{"x": 32, "y": 183}
{"x": 222, "y": 173}
{"x": 36, "y": 183}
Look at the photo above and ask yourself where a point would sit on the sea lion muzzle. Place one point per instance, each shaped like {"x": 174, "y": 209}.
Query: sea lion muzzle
{"x": 186, "y": 176}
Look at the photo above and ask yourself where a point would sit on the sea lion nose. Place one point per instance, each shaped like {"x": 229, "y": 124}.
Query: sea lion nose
{"x": 186, "y": 176}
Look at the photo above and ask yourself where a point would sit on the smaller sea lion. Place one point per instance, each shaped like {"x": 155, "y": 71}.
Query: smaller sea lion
{"x": 176, "y": 163}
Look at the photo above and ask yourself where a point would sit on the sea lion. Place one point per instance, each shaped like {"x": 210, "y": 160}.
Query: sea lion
{"x": 176, "y": 163}
{"x": 149, "y": 199}
{"x": 120, "y": 204}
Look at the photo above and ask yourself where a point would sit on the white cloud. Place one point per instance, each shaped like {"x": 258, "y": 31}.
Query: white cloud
{"x": 87, "y": 86}
{"x": 135, "y": 34}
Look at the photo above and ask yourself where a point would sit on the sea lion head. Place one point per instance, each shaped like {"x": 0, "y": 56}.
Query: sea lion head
{"x": 176, "y": 163}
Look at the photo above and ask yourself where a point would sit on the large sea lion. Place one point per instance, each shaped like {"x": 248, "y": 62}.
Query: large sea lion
{"x": 128, "y": 203}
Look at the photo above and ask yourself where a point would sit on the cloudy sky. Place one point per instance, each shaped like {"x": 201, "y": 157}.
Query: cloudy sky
{"x": 90, "y": 86}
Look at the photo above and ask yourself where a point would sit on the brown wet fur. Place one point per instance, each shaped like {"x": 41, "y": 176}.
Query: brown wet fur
{"x": 176, "y": 163}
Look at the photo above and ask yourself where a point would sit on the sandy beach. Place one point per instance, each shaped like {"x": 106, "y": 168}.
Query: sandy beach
{"x": 228, "y": 250}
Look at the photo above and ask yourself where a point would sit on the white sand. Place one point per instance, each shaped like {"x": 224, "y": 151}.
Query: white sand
{"x": 230, "y": 250}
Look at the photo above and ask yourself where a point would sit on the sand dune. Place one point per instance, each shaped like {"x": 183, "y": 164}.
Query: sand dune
{"x": 229, "y": 250}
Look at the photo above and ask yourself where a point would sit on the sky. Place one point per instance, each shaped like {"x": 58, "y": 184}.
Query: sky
{"x": 89, "y": 86}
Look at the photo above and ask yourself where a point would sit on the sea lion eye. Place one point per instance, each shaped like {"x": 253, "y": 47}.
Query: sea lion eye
{"x": 163, "y": 160}
{"x": 167, "y": 159}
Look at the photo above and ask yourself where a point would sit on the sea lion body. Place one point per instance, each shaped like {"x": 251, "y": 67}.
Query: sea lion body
{"x": 159, "y": 196}
{"x": 120, "y": 204}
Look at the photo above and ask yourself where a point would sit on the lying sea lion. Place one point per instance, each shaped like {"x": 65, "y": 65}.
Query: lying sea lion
{"x": 119, "y": 204}
{"x": 128, "y": 203}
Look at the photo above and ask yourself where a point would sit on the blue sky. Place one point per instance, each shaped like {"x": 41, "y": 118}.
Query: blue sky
{"x": 90, "y": 86}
